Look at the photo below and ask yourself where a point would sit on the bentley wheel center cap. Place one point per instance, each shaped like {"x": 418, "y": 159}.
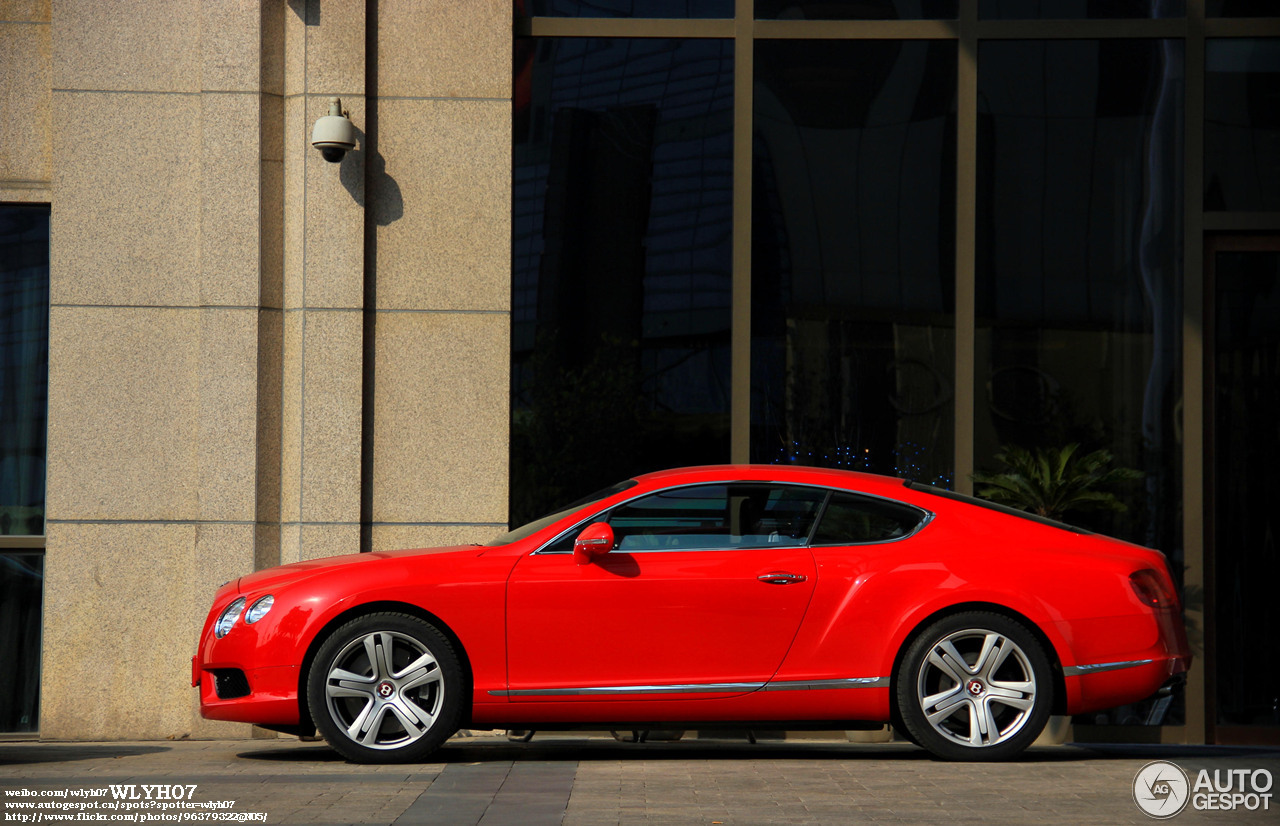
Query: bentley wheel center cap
{"x": 976, "y": 688}
{"x": 385, "y": 689}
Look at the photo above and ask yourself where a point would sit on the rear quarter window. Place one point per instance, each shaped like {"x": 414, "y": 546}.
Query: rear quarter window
{"x": 850, "y": 519}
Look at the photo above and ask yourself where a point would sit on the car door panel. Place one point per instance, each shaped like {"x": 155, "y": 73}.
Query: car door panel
{"x": 683, "y": 623}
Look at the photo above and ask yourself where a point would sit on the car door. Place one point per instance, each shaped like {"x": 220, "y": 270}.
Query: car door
{"x": 703, "y": 593}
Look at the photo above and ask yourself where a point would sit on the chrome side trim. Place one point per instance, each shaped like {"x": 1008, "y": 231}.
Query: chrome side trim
{"x": 821, "y": 685}
{"x": 691, "y": 688}
{"x": 1097, "y": 668}
{"x": 697, "y": 688}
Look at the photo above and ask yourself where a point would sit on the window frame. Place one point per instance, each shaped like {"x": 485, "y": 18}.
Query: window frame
{"x": 926, "y": 516}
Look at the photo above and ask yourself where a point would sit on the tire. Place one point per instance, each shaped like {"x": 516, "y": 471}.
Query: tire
{"x": 386, "y": 688}
{"x": 975, "y": 686}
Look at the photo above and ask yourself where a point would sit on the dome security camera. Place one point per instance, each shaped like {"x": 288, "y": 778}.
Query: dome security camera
{"x": 334, "y": 134}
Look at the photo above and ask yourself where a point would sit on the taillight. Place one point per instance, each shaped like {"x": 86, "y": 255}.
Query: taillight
{"x": 1151, "y": 589}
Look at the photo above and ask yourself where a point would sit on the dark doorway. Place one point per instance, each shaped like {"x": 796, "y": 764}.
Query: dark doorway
{"x": 1243, "y": 412}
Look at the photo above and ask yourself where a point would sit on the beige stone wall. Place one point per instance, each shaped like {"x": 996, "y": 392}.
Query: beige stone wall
{"x": 441, "y": 190}
{"x": 26, "y": 139}
{"x": 254, "y": 354}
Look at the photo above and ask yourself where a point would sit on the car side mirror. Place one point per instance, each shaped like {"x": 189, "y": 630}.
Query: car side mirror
{"x": 596, "y": 540}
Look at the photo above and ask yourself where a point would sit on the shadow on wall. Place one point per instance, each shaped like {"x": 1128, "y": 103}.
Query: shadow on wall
{"x": 363, "y": 173}
{"x": 308, "y": 11}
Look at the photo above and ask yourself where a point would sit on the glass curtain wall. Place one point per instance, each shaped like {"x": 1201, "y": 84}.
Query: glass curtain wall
{"x": 1079, "y": 264}
{"x": 24, "y": 370}
{"x": 926, "y": 234}
{"x": 852, "y": 255}
{"x": 621, "y": 269}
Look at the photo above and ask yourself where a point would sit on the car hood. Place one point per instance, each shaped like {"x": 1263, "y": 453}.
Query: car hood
{"x": 273, "y": 578}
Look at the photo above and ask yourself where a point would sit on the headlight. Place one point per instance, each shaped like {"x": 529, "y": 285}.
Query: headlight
{"x": 228, "y": 618}
{"x": 259, "y": 609}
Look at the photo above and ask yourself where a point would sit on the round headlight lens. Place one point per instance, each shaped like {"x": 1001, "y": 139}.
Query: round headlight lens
{"x": 228, "y": 618}
{"x": 259, "y": 609}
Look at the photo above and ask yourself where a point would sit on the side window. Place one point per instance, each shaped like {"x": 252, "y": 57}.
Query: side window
{"x": 710, "y": 517}
{"x": 854, "y": 520}
{"x": 775, "y": 515}
{"x": 673, "y": 520}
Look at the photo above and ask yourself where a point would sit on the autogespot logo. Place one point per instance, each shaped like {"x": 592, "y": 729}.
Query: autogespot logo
{"x": 1161, "y": 789}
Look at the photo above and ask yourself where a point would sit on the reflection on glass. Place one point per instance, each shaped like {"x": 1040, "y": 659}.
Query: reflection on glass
{"x": 1246, "y": 455}
{"x": 24, "y": 366}
{"x": 1080, "y": 263}
{"x": 853, "y": 317}
{"x": 21, "y": 580}
{"x": 865, "y": 10}
{"x": 1079, "y": 9}
{"x": 621, "y": 263}
{"x": 660, "y": 9}
{"x": 1241, "y": 8}
{"x": 1079, "y": 272}
{"x": 1242, "y": 124}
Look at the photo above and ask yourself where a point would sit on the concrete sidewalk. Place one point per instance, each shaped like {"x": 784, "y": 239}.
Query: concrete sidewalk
{"x": 582, "y": 781}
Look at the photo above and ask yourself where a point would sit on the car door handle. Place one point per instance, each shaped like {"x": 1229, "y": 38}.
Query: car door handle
{"x": 782, "y": 578}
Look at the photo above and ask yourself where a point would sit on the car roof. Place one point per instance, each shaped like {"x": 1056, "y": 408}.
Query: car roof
{"x": 870, "y": 482}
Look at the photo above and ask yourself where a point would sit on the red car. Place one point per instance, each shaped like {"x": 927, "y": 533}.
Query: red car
{"x": 706, "y": 597}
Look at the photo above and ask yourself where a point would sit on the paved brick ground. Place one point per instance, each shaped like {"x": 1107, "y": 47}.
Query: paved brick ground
{"x": 578, "y": 781}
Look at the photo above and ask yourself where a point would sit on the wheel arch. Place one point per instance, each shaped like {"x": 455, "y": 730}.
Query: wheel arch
{"x": 381, "y": 607}
{"x": 1050, "y": 650}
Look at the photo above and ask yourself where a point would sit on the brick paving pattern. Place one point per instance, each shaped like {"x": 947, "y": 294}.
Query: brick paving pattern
{"x": 580, "y": 781}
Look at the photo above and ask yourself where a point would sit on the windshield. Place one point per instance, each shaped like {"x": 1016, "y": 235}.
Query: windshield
{"x": 538, "y": 524}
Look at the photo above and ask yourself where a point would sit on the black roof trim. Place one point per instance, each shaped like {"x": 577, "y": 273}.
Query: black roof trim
{"x": 993, "y": 506}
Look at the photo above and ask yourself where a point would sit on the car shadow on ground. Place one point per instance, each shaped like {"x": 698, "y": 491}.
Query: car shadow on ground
{"x": 493, "y": 751}
{"x": 12, "y": 754}
{"x": 489, "y": 750}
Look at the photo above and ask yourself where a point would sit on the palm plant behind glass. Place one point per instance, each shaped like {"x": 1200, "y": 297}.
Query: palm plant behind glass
{"x": 1055, "y": 481}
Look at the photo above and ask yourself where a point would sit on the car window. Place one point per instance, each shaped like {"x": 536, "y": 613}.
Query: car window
{"x": 718, "y": 517}
{"x": 854, "y": 520}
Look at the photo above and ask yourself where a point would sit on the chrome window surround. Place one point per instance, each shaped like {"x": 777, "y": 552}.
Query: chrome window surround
{"x": 926, "y": 516}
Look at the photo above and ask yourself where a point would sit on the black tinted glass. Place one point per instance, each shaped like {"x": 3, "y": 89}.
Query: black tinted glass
{"x": 1079, "y": 276}
{"x": 1246, "y": 453}
{"x": 1241, "y": 8}
{"x": 21, "y": 590}
{"x": 851, "y": 520}
{"x": 1079, "y": 9}
{"x": 717, "y": 516}
{"x": 1242, "y": 124}
{"x": 866, "y": 10}
{"x": 24, "y": 366}
{"x": 621, "y": 262}
{"x": 852, "y": 272}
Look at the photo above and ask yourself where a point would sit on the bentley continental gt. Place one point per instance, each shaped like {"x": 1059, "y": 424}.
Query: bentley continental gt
{"x": 733, "y": 597}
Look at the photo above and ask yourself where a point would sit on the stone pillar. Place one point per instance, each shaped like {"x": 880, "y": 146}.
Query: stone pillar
{"x": 248, "y": 361}
{"x": 440, "y": 233}
{"x": 323, "y": 294}
{"x": 155, "y": 269}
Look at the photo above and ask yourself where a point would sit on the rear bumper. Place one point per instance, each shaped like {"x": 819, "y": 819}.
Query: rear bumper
{"x": 1106, "y": 685}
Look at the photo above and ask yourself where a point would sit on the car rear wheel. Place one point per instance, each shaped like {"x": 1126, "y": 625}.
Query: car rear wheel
{"x": 385, "y": 688}
{"x": 975, "y": 686}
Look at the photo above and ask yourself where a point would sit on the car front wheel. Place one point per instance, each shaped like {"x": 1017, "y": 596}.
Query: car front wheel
{"x": 975, "y": 686}
{"x": 385, "y": 688}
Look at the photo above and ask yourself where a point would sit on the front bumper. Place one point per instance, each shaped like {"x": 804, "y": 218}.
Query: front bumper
{"x": 252, "y": 675}
{"x": 270, "y": 695}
